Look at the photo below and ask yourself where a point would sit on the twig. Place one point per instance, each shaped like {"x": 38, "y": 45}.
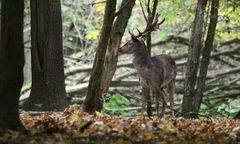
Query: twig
{"x": 85, "y": 126}
{"x": 78, "y": 31}
{"x": 92, "y": 4}
{"x": 144, "y": 15}
{"x": 194, "y": 115}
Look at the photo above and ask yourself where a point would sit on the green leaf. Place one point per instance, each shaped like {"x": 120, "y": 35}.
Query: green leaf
{"x": 115, "y": 105}
{"x": 162, "y": 34}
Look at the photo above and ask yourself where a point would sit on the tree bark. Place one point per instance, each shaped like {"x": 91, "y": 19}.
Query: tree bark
{"x": 193, "y": 57}
{"x": 117, "y": 32}
{"x": 94, "y": 100}
{"x": 146, "y": 91}
{"x": 48, "y": 88}
{"x": 206, "y": 54}
{"x": 11, "y": 63}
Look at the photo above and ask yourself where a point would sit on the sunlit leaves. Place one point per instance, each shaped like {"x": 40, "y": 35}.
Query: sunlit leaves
{"x": 81, "y": 28}
{"x": 228, "y": 21}
{"x": 100, "y": 7}
{"x": 93, "y": 34}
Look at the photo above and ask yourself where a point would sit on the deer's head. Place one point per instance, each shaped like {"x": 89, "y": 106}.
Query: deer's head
{"x": 137, "y": 41}
{"x": 131, "y": 45}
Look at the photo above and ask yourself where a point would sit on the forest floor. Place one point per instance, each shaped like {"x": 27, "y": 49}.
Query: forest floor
{"x": 74, "y": 126}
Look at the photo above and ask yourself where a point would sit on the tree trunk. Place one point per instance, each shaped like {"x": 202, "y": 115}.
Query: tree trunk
{"x": 94, "y": 100}
{"x": 147, "y": 91}
{"x": 206, "y": 54}
{"x": 11, "y": 63}
{"x": 193, "y": 57}
{"x": 48, "y": 88}
{"x": 117, "y": 32}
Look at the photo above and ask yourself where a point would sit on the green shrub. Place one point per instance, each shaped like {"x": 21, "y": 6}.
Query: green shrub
{"x": 115, "y": 105}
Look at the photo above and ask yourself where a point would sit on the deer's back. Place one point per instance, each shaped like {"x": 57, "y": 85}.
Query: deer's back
{"x": 162, "y": 70}
{"x": 168, "y": 66}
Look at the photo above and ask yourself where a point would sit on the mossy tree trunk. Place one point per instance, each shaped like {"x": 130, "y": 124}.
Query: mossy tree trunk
{"x": 193, "y": 58}
{"x": 94, "y": 99}
{"x": 208, "y": 46}
{"x": 195, "y": 85}
{"x": 48, "y": 87}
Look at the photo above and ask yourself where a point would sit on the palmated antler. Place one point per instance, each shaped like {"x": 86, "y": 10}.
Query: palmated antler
{"x": 151, "y": 26}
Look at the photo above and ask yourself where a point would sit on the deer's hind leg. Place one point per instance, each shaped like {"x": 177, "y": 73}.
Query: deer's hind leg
{"x": 171, "y": 90}
{"x": 159, "y": 93}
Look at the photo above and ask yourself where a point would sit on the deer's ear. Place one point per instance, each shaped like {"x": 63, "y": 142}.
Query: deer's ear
{"x": 135, "y": 40}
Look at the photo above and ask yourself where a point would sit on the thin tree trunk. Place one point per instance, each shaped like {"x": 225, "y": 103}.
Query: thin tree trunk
{"x": 206, "y": 54}
{"x": 94, "y": 100}
{"x": 11, "y": 63}
{"x": 117, "y": 32}
{"x": 147, "y": 91}
{"x": 48, "y": 88}
{"x": 193, "y": 57}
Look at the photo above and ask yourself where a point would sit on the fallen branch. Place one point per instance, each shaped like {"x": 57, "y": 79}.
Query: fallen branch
{"x": 87, "y": 68}
{"x": 173, "y": 39}
{"x": 221, "y": 87}
{"x": 227, "y": 72}
{"x": 225, "y": 97}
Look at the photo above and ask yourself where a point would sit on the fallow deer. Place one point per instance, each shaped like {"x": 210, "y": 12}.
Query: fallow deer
{"x": 155, "y": 72}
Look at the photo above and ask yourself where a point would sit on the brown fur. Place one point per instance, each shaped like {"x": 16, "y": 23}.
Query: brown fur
{"x": 156, "y": 72}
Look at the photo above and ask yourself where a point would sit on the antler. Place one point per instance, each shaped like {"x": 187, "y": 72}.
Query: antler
{"x": 132, "y": 35}
{"x": 151, "y": 26}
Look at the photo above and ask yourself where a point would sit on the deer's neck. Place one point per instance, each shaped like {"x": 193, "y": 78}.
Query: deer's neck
{"x": 141, "y": 57}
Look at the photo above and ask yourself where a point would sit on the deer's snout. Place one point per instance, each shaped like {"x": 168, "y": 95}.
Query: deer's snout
{"x": 120, "y": 50}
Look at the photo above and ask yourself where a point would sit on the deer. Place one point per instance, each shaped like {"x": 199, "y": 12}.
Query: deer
{"x": 155, "y": 72}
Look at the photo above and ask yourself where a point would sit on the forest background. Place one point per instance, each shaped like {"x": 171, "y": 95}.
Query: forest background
{"x": 69, "y": 50}
{"x": 82, "y": 22}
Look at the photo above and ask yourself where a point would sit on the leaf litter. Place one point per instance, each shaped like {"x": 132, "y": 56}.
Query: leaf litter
{"x": 74, "y": 126}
